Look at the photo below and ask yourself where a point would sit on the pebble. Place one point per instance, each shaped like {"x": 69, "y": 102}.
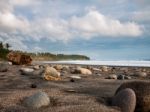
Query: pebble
{"x": 121, "y": 77}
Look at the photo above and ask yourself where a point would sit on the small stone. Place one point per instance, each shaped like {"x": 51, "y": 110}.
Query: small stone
{"x": 96, "y": 69}
{"x": 58, "y": 67}
{"x": 104, "y": 68}
{"x": 113, "y": 76}
{"x": 36, "y": 67}
{"x": 121, "y": 77}
{"x": 83, "y": 71}
{"x": 125, "y": 99}
{"x": 37, "y": 100}
{"x": 75, "y": 77}
{"x": 141, "y": 74}
{"x": 26, "y": 71}
{"x": 72, "y": 80}
{"x": 127, "y": 77}
{"x": 33, "y": 86}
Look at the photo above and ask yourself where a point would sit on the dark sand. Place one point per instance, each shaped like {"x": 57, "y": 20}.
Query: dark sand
{"x": 89, "y": 94}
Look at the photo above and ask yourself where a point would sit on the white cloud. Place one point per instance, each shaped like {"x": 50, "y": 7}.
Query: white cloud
{"x": 16, "y": 28}
{"x": 10, "y": 22}
{"x": 95, "y": 24}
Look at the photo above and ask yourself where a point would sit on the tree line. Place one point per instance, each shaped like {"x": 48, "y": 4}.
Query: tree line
{"x": 44, "y": 56}
{"x": 4, "y": 50}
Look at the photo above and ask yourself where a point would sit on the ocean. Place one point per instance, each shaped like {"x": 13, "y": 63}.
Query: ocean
{"x": 108, "y": 63}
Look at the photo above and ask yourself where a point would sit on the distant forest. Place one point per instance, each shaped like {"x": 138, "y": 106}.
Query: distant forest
{"x": 4, "y": 50}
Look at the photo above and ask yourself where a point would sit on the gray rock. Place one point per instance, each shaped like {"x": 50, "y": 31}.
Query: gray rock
{"x": 125, "y": 99}
{"x": 37, "y": 100}
{"x": 142, "y": 91}
{"x": 3, "y": 67}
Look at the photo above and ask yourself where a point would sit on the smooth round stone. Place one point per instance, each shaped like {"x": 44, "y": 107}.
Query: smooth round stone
{"x": 113, "y": 76}
{"x": 142, "y": 74}
{"x": 37, "y": 100}
{"x": 3, "y": 67}
{"x": 26, "y": 71}
{"x": 125, "y": 99}
{"x": 127, "y": 77}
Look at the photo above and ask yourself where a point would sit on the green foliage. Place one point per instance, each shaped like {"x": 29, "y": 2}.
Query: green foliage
{"x": 3, "y": 53}
{"x": 54, "y": 57}
{"x": 4, "y": 50}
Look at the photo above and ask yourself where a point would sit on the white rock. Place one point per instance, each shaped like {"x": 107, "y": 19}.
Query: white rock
{"x": 37, "y": 100}
{"x": 27, "y": 69}
{"x": 50, "y": 71}
{"x": 113, "y": 76}
{"x": 84, "y": 71}
{"x": 104, "y": 68}
{"x": 36, "y": 67}
{"x": 96, "y": 69}
{"x": 75, "y": 77}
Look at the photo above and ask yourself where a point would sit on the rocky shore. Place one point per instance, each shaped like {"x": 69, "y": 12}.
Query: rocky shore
{"x": 72, "y": 88}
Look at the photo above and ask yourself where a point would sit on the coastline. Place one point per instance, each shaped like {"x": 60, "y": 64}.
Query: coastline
{"x": 73, "y": 95}
{"x": 101, "y": 63}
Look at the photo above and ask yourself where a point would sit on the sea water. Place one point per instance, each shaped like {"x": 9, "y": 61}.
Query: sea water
{"x": 108, "y": 63}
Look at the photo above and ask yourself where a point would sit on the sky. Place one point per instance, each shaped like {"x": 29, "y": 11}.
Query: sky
{"x": 99, "y": 29}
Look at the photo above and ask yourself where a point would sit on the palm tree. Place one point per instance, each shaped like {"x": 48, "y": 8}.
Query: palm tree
{"x": 1, "y": 45}
{"x": 7, "y": 45}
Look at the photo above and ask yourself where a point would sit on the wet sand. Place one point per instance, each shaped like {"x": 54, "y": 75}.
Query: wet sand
{"x": 89, "y": 94}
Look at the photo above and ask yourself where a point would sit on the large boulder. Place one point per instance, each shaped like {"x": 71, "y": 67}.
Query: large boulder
{"x": 37, "y": 100}
{"x": 3, "y": 67}
{"x": 18, "y": 58}
{"x": 51, "y": 73}
{"x": 142, "y": 91}
{"x": 125, "y": 99}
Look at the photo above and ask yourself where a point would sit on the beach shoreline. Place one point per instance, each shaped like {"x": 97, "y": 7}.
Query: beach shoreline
{"x": 91, "y": 91}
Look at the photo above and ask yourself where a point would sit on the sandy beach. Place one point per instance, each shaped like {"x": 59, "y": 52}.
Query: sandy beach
{"x": 91, "y": 93}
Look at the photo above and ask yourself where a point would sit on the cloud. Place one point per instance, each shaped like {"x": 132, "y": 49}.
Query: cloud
{"x": 95, "y": 24}
{"x": 10, "y": 22}
{"x": 54, "y": 25}
{"x": 141, "y": 16}
{"x": 23, "y": 2}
